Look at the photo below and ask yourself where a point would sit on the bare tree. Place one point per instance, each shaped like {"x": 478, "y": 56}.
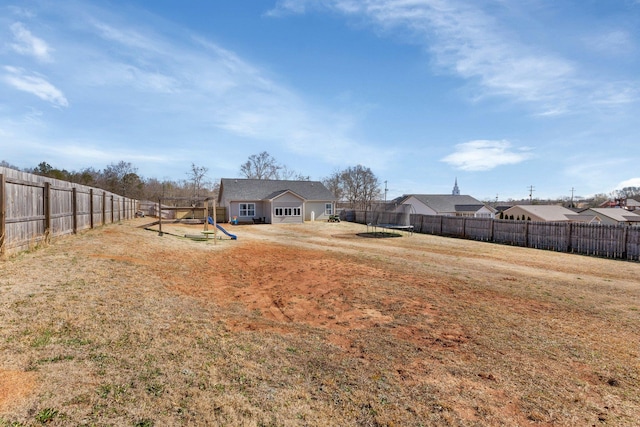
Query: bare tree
{"x": 334, "y": 184}
{"x": 357, "y": 185}
{"x": 628, "y": 192}
{"x": 285, "y": 173}
{"x": 260, "y": 166}
{"x": 196, "y": 177}
{"x": 122, "y": 178}
{"x": 8, "y": 165}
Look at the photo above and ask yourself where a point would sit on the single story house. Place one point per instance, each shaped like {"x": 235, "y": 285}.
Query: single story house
{"x": 444, "y": 204}
{"x": 275, "y": 201}
{"x": 632, "y": 205}
{"x": 614, "y": 216}
{"x": 546, "y": 213}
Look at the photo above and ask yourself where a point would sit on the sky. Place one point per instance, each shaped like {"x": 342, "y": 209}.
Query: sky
{"x": 509, "y": 98}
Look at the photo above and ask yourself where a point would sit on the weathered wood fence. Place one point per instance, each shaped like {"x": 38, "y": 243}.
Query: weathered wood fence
{"x": 616, "y": 242}
{"x": 35, "y": 208}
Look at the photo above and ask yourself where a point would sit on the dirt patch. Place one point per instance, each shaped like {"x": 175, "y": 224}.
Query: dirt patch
{"x": 314, "y": 325}
{"x": 15, "y": 386}
{"x": 287, "y": 286}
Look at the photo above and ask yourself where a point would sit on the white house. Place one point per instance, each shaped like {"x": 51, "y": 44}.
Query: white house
{"x": 444, "y": 204}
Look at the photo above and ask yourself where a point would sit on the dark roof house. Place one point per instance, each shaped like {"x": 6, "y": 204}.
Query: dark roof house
{"x": 275, "y": 201}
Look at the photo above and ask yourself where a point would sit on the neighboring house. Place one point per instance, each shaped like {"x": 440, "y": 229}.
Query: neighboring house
{"x": 444, "y": 204}
{"x": 546, "y": 213}
{"x": 632, "y": 205}
{"x": 614, "y": 216}
{"x": 625, "y": 203}
{"x": 275, "y": 201}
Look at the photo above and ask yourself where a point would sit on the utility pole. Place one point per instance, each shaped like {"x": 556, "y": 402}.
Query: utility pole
{"x": 385, "y": 192}
{"x": 572, "y": 190}
{"x": 531, "y": 189}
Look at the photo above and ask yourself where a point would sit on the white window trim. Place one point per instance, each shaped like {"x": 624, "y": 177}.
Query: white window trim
{"x": 249, "y": 207}
{"x": 328, "y": 208}
{"x": 287, "y": 211}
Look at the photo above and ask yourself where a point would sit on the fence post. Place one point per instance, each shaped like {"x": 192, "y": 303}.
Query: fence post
{"x": 464, "y": 227}
{"x": 74, "y": 208}
{"x": 104, "y": 208}
{"x": 47, "y": 210}
{"x": 569, "y": 237}
{"x": 91, "y": 224}
{"x": 625, "y": 240}
{"x": 526, "y": 234}
{"x": 493, "y": 221}
{"x": 3, "y": 213}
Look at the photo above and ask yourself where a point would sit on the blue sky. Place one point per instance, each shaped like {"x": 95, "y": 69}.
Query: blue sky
{"x": 500, "y": 95}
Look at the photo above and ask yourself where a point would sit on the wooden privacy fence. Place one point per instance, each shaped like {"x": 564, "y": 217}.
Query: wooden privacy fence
{"x": 34, "y": 208}
{"x": 616, "y": 242}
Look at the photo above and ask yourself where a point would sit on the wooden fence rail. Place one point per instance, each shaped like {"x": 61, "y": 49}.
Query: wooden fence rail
{"x": 616, "y": 242}
{"x": 34, "y": 208}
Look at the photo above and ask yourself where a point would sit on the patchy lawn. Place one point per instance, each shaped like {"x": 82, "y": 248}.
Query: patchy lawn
{"x": 312, "y": 324}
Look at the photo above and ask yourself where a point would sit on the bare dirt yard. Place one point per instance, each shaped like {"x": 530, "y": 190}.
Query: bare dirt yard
{"x": 314, "y": 325}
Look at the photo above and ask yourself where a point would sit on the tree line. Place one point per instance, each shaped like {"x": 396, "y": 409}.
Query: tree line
{"x": 122, "y": 178}
{"x": 357, "y": 185}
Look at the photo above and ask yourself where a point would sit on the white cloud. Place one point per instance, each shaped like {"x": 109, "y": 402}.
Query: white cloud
{"x": 34, "y": 84}
{"x": 479, "y": 48}
{"x": 285, "y": 7}
{"x": 28, "y": 44}
{"x": 127, "y": 37}
{"x": 614, "y": 42}
{"x": 484, "y": 155}
{"x": 632, "y": 182}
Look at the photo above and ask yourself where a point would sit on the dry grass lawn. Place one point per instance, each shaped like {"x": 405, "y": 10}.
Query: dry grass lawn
{"x": 313, "y": 325}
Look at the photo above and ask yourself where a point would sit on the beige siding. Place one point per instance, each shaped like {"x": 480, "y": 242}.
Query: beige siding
{"x": 318, "y": 210}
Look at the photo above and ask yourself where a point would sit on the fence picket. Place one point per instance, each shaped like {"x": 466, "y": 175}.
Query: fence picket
{"x": 33, "y": 208}
{"x": 608, "y": 241}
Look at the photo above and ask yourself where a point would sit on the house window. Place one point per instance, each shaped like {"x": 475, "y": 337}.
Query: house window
{"x": 288, "y": 211}
{"x": 248, "y": 209}
{"x": 328, "y": 208}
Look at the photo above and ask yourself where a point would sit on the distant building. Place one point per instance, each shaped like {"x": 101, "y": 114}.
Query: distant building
{"x": 456, "y": 190}
{"x": 443, "y": 204}
{"x": 275, "y": 201}
{"x": 613, "y": 216}
{"x": 546, "y": 213}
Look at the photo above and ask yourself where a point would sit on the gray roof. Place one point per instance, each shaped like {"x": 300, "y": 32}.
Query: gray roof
{"x": 617, "y": 214}
{"x": 236, "y": 189}
{"x": 545, "y": 212}
{"x": 444, "y": 203}
{"x": 468, "y": 208}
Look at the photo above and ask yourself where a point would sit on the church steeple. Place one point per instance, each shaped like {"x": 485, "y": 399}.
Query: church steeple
{"x": 456, "y": 190}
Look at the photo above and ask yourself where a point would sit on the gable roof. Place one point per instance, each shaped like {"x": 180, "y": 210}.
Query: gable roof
{"x": 263, "y": 189}
{"x": 279, "y": 193}
{"x": 632, "y": 203}
{"x": 545, "y": 212}
{"x": 617, "y": 214}
{"x": 444, "y": 203}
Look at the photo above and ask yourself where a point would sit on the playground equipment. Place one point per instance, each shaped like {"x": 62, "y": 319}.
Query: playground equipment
{"x": 219, "y": 227}
{"x": 399, "y": 220}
